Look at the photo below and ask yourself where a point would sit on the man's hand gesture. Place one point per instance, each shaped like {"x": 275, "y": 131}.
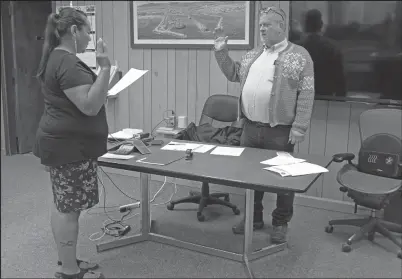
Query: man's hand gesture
{"x": 220, "y": 39}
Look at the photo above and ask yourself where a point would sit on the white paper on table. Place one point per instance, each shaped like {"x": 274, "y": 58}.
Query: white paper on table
{"x": 280, "y": 160}
{"x": 303, "y": 168}
{"x": 131, "y": 76}
{"x": 284, "y": 154}
{"x": 203, "y": 148}
{"x": 227, "y": 151}
{"x": 125, "y": 134}
{"x": 132, "y": 131}
{"x": 117, "y": 156}
{"x": 181, "y": 146}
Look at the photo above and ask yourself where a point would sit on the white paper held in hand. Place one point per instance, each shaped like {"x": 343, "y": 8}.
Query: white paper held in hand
{"x": 129, "y": 78}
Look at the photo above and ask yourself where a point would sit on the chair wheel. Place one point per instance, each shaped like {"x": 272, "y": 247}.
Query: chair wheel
{"x": 226, "y": 199}
{"x": 370, "y": 236}
{"x": 400, "y": 254}
{"x": 170, "y": 206}
{"x": 346, "y": 248}
{"x": 329, "y": 229}
{"x": 236, "y": 211}
{"x": 200, "y": 217}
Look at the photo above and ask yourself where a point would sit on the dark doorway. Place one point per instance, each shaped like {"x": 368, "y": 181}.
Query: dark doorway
{"x": 23, "y": 24}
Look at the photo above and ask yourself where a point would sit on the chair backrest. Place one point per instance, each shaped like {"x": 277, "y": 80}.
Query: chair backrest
{"x": 220, "y": 110}
{"x": 380, "y": 121}
{"x": 381, "y": 147}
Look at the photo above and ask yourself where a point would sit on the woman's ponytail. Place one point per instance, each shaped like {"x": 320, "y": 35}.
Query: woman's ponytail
{"x": 57, "y": 26}
{"x": 52, "y": 40}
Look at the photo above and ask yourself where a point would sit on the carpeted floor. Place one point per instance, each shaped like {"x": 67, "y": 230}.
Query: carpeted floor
{"x": 28, "y": 250}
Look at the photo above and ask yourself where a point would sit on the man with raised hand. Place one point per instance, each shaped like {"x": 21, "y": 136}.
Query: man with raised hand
{"x": 276, "y": 102}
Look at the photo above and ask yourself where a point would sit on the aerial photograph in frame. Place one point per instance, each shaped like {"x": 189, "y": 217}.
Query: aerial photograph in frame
{"x": 190, "y": 22}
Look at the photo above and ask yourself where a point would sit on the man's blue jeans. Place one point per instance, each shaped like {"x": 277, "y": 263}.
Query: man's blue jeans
{"x": 259, "y": 135}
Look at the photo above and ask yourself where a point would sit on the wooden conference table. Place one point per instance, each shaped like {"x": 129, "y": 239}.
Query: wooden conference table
{"x": 244, "y": 171}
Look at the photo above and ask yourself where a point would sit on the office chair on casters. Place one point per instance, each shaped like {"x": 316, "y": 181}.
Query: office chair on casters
{"x": 219, "y": 110}
{"x": 377, "y": 176}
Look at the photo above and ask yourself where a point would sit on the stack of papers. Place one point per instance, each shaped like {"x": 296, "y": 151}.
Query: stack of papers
{"x": 286, "y": 165}
{"x": 297, "y": 169}
{"x": 283, "y": 158}
{"x": 183, "y": 146}
{"x": 227, "y": 151}
{"x": 117, "y": 156}
{"x": 125, "y": 134}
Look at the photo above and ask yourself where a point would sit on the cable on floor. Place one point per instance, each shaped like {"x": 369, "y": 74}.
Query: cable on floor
{"x": 115, "y": 227}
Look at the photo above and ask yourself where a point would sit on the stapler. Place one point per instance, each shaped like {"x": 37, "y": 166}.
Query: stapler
{"x": 189, "y": 154}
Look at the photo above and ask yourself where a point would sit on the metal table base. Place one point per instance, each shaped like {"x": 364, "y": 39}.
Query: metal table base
{"x": 147, "y": 234}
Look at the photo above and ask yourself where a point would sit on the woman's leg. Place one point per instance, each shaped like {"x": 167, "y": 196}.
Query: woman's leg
{"x": 75, "y": 188}
{"x": 65, "y": 232}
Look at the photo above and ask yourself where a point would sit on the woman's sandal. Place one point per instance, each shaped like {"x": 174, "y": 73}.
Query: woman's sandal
{"x": 83, "y": 265}
{"x": 84, "y": 274}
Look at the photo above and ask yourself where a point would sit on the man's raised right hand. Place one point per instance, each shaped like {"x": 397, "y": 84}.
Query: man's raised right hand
{"x": 220, "y": 39}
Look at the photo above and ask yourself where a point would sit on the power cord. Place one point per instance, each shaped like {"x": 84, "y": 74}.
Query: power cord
{"x": 118, "y": 228}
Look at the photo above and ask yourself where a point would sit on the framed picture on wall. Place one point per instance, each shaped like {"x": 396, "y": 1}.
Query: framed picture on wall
{"x": 191, "y": 24}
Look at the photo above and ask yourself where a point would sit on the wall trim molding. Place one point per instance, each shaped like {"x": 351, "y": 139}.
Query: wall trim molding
{"x": 300, "y": 199}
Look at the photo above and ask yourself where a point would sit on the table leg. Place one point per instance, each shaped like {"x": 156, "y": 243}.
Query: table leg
{"x": 248, "y": 231}
{"x": 145, "y": 221}
{"x": 145, "y": 205}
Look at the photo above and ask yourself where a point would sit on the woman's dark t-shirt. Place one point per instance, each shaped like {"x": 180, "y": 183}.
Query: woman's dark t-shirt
{"x": 66, "y": 135}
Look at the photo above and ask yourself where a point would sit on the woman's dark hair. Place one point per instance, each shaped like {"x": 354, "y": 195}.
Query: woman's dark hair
{"x": 56, "y": 27}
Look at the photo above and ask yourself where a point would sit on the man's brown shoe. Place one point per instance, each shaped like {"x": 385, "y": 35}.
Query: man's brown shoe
{"x": 279, "y": 233}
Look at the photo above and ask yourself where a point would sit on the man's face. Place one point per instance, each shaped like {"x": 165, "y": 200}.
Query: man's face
{"x": 271, "y": 28}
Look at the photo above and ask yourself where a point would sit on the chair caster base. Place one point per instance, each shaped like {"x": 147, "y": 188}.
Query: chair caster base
{"x": 236, "y": 211}
{"x": 346, "y": 248}
{"x": 329, "y": 229}
{"x": 170, "y": 206}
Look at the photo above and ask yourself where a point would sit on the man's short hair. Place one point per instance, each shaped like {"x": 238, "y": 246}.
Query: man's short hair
{"x": 274, "y": 10}
{"x": 313, "y": 21}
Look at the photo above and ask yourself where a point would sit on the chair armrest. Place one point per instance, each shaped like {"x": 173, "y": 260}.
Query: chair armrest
{"x": 340, "y": 157}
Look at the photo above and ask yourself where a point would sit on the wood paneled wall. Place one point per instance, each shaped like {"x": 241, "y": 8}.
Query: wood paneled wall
{"x": 182, "y": 80}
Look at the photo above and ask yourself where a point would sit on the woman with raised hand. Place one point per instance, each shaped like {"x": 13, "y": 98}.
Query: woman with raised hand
{"x": 73, "y": 130}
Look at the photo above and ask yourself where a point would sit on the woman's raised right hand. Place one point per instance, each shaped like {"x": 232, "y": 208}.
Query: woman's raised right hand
{"x": 101, "y": 55}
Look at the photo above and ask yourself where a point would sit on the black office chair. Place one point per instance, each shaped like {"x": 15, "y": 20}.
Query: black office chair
{"x": 376, "y": 178}
{"x": 219, "y": 111}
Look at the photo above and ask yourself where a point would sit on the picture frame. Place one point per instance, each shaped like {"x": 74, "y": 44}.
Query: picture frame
{"x": 190, "y": 24}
